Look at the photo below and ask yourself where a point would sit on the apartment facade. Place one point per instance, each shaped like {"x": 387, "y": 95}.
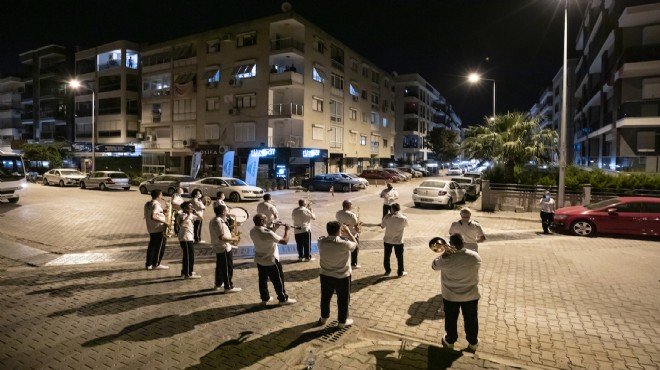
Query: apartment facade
{"x": 419, "y": 109}
{"x": 617, "y": 116}
{"x": 278, "y": 87}
{"x": 11, "y": 127}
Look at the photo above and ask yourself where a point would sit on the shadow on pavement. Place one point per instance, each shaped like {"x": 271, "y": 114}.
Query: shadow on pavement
{"x": 68, "y": 290}
{"x": 301, "y": 275}
{"x": 359, "y": 284}
{"x": 435, "y": 358}
{"x": 431, "y": 309}
{"x": 144, "y": 237}
{"x": 43, "y": 278}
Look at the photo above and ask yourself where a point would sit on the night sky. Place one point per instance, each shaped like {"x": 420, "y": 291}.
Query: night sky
{"x": 518, "y": 43}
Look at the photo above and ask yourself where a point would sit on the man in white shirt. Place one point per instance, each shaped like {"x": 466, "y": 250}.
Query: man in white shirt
{"x": 470, "y": 230}
{"x": 302, "y": 216}
{"x": 394, "y": 223}
{"x": 267, "y": 208}
{"x": 334, "y": 254}
{"x": 389, "y": 196}
{"x": 547, "y": 211}
{"x": 460, "y": 291}
{"x": 156, "y": 223}
{"x": 221, "y": 240}
{"x": 346, "y": 216}
{"x": 187, "y": 220}
{"x": 267, "y": 258}
{"x": 220, "y": 201}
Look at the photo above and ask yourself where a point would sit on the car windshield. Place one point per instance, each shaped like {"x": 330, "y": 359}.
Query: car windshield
{"x": 184, "y": 179}
{"x": 433, "y": 184}
{"x": 235, "y": 182}
{"x": 71, "y": 172}
{"x": 12, "y": 168}
{"x": 603, "y": 204}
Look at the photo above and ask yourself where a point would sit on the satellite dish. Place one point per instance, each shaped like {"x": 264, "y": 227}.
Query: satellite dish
{"x": 286, "y": 6}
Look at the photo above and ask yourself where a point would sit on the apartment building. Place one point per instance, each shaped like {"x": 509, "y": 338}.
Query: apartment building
{"x": 617, "y": 117}
{"x": 419, "y": 109}
{"x": 11, "y": 128}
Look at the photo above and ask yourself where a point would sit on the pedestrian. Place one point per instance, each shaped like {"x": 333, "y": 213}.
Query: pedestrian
{"x": 199, "y": 206}
{"x": 389, "y": 196}
{"x": 470, "y": 230}
{"x": 547, "y": 211}
{"x": 394, "y": 224}
{"x": 302, "y": 217}
{"x": 221, "y": 239}
{"x": 220, "y": 200}
{"x": 267, "y": 258}
{"x": 267, "y": 208}
{"x": 346, "y": 216}
{"x": 272, "y": 179}
{"x": 156, "y": 224}
{"x": 334, "y": 254}
{"x": 459, "y": 282}
{"x": 186, "y": 221}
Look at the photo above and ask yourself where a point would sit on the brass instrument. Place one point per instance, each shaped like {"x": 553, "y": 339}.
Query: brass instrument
{"x": 206, "y": 200}
{"x": 441, "y": 246}
{"x": 308, "y": 204}
{"x": 237, "y": 215}
{"x": 169, "y": 220}
{"x": 281, "y": 223}
{"x": 358, "y": 226}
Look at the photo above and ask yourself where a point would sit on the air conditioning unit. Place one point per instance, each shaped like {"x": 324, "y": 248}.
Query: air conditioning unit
{"x": 189, "y": 143}
{"x": 233, "y": 111}
{"x": 149, "y": 138}
{"x": 235, "y": 82}
{"x": 224, "y": 149}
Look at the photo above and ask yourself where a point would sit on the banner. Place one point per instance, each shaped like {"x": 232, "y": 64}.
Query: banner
{"x": 195, "y": 164}
{"x": 251, "y": 170}
{"x": 228, "y": 164}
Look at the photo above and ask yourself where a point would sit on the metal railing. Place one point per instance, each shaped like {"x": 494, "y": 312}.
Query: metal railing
{"x": 288, "y": 109}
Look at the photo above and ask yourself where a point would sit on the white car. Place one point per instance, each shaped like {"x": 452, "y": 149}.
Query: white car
{"x": 63, "y": 177}
{"x": 454, "y": 171}
{"x": 235, "y": 190}
{"x": 438, "y": 192}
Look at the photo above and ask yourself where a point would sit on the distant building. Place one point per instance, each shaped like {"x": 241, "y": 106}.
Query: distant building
{"x": 11, "y": 128}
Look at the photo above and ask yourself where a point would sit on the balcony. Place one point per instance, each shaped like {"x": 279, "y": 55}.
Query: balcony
{"x": 287, "y": 78}
{"x": 285, "y": 110}
{"x": 287, "y": 44}
{"x": 640, "y": 62}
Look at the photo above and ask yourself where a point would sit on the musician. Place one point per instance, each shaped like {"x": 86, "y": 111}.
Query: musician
{"x": 156, "y": 224}
{"x": 267, "y": 258}
{"x": 460, "y": 291}
{"x": 220, "y": 200}
{"x": 199, "y": 206}
{"x": 394, "y": 224}
{"x": 268, "y": 208}
{"x": 177, "y": 199}
{"x": 470, "y": 230}
{"x": 186, "y": 221}
{"x": 302, "y": 216}
{"x": 334, "y": 253}
{"x": 346, "y": 216}
{"x": 221, "y": 239}
{"x": 389, "y": 196}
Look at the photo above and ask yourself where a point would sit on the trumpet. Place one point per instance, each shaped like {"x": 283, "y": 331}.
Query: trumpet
{"x": 439, "y": 245}
{"x": 284, "y": 224}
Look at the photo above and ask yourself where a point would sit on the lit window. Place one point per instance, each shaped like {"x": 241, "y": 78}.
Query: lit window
{"x": 317, "y": 104}
{"x": 363, "y": 140}
{"x": 318, "y": 74}
{"x": 246, "y": 70}
{"x": 353, "y": 114}
{"x": 354, "y": 89}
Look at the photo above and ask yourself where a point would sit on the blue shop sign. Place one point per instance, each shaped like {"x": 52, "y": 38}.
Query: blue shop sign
{"x": 311, "y": 153}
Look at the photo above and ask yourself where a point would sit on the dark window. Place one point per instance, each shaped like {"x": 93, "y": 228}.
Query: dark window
{"x": 132, "y": 83}
{"x": 110, "y": 106}
{"x": 132, "y": 106}
{"x": 109, "y": 83}
{"x": 112, "y": 133}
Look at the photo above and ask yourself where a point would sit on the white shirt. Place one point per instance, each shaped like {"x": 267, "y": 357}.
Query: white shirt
{"x": 470, "y": 230}
{"x": 335, "y": 256}
{"x": 302, "y": 217}
{"x": 177, "y": 199}
{"x": 269, "y": 210}
{"x": 460, "y": 275}
{"x": 265, "y": 245}
{"x": 186, "y": 226}
{"x": 199, "y": 207}
{"x": 219, "y": 202}
{"x": 547, "y": 205}
{"x": 394, "y": 224}
{"x": 389, "y": 196}
{"x": 153, "y": 209}
{"x": 218, "y": 228}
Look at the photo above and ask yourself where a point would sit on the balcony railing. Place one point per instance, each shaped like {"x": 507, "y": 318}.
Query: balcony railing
{"x": 287, "y": 43}
{"x": 290, "y": 109}
{"x": 335, "y": 145}
{"x": 639, "y": 108}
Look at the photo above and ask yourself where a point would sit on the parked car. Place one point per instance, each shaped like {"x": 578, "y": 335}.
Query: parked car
{"x": 421, "y": 169}
{"x": 405, "y": 176}
{"x": 468, "y": 184}
{"x": 105, "y": 180}
{"x": 165, "y": 183}
{"x": 475, "y": 175}
{"x": 63, "y": 177}
{"x": 454, "y": 171}
{"x": 353, "y": 176}
{"x": 380, "y": 175}
{"x": 235, "y": 190}
{"x": 620, "y": 215}
{"x": 411, "y": 171}
{"x": 440, "y": 192}
{"x": 338, "y": 183}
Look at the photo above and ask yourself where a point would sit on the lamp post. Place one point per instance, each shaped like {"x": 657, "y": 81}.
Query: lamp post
{"x": 475, "y": 77}
{"x": 75, "y": 84}
{"x": 562, "y": 129}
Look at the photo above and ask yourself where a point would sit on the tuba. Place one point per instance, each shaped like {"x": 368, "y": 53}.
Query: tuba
{"x": 439, "y": 245}
{"x": 169, "y": 220}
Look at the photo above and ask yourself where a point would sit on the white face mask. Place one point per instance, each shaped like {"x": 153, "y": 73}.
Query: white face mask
{"x": 198, "y": 196}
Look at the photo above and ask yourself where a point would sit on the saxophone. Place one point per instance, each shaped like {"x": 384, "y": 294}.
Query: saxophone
{"x": 169, "y": 218}
{"x": 358, "y": 226}
{"x": 235, "y": 230}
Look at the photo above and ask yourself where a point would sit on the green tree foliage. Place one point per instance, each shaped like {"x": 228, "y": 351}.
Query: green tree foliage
{"x": 44, "y": 152}
{"x": 513, "y": 139}
{"x": 444, "y": 143}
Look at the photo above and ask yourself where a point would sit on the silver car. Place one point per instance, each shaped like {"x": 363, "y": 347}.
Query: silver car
{"x": 105, "y": 180}
{"x": 441, "y": 192}
{"x": 165, "y": 183}
{"x": 63, "y": 177}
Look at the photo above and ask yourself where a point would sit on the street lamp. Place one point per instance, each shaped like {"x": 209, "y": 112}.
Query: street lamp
{"x": 475, "y": 77}
{"x": 562, "y": 129}
{"x": 75, "y": 84}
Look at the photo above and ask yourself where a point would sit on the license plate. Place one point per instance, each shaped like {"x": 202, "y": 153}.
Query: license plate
{"x": 427, "y": 200}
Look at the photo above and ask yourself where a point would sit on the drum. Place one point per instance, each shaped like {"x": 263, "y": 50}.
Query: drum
{"x": 239, "y": 214}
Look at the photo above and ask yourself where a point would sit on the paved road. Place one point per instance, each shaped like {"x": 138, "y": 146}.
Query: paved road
{"x": 547, "y": 301}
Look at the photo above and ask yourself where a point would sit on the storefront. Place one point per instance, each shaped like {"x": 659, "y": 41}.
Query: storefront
{"x": 284, "y": 163}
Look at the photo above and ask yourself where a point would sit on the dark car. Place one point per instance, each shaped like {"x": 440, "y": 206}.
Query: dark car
{"x": 380, "y": 175}
{"x": 622, "y": 215}
{"x": 165, "y": 183}
{"x": 325, "y": 182}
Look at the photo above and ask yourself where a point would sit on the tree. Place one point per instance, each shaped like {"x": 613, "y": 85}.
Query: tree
{"x": 513, "y": 139}
{"x": 44, "y": 152}
{"x": 443, "y": 143}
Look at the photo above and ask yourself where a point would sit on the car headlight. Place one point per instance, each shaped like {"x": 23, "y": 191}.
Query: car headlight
{"x": 560, "y": 217}
{"x": 246, "y": 191}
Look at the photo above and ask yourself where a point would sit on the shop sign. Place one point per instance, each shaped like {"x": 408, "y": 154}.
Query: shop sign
{"x": 264, "y": 152}
{"x": 311, "y": 153}
{"x": 80, "y": 147}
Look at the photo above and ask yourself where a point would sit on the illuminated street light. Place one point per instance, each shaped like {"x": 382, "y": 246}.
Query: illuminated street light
{"x": 75, "y": 84}
{"x": 475, "y": 77}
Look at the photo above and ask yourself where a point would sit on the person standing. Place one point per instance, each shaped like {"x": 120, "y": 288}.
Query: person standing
{"x": 334, "y": 254}
{"x": 389, "y": 196}
{"x": 267, "y": 258}
{"x": 547, "y": 211}
{"x": 199, "y": 206}
{"x": 156, "y": 224}
{"x": 220, "y": 200}
{"x": 302, "y": 217}
{"x": 268, "y": 208}
{"x": 177, "y": 199}
{"x": 470, "y": 230}
{"x": 394, "y": 224}
{"x": 459, "y": 281}
{"x": 186, "y": 221}
{"x": 346, "y": 216}
{"x": 221, "y": 240}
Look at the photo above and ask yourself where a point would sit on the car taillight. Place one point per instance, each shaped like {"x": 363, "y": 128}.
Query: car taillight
{"x": 442, "y": 192}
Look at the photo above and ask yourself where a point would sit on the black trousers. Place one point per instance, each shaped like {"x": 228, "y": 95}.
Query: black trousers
{"x": 470, "y": 320}
{"x": 224, "y": 269}
{"x": 156, "y": 249}
{"x": 398, "y": 252}
{"x": 387, "y": 209}
{"x": 197, "y": 225}
{"x": 188, "y": 262}
{"x": 330, "y": 286}
{"x": 546, "y": 220}
{"x": 304, "y": 244}
{"x": 354, "y": 253}
{"x": 275, "y": 274}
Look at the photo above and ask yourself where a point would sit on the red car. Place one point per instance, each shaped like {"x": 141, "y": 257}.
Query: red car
{"x": 380, "y": 175}
{"x": 621, "y": 215}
